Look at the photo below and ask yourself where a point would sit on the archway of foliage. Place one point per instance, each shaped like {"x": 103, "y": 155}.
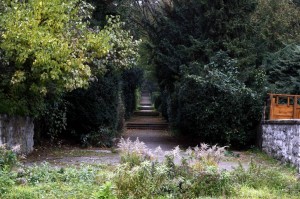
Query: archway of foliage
{"x": 184, "y": 39}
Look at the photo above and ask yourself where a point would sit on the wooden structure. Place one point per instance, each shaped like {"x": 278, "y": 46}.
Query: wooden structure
{"x": 284, "y": 106}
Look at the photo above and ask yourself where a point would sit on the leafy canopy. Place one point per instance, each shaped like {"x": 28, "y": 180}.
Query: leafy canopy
{"x": 50, "y": 44}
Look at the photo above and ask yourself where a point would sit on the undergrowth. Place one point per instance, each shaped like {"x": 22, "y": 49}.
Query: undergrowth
{"x": 144, "y": 173}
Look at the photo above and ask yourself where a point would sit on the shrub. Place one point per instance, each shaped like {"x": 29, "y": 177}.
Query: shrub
{"x": 131, "y": 81}
{"x": 133, "y": 153}
{"x": 21, "y": 193}
{"x": 52, "y": 121}
{"x": 6, "y": 181}
{"x": 216, "y": 106}
{"x": 199, "y": 158}
{"x": 100, "y": 138}
{"x": 105, "y": 192}
{"x": 44, "y": 173}
{"x": 94, "y": 111}
{"x": 8, "y": 157}
{"x": 143, "y": 181}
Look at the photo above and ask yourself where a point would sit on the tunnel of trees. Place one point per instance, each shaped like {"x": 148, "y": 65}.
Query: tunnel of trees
{"x": 76, "y": 67}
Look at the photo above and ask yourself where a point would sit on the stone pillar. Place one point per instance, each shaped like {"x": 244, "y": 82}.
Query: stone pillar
{"x": 15, "y": 130}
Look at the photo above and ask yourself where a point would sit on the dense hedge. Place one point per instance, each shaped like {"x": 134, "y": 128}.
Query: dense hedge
{"x": 131, "y": 80}
{"x": 216, "y": 107}
{"x": 92, "y": 110}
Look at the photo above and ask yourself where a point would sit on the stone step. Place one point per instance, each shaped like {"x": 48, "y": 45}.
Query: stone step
{"x": 145, "y": 94}
{"x": 154, "y": 126}
{"x": 146, "y": 108}
{"x": 146, "y": 113}
{"x": 145, "y": 104}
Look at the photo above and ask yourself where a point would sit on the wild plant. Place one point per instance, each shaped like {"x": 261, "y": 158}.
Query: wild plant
{"x": 258, "y": 175}
{"x": 8, "y": 157}
{"x": 45, "y": 173}
{"x": 199, "y": 158}
{"x": 135, "y": 152}
{"x": 141, "y": 181}
{"x": 105, "y": 192}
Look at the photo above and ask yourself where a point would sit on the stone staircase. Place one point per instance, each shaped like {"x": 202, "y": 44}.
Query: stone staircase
{"x": 146, "y": 117}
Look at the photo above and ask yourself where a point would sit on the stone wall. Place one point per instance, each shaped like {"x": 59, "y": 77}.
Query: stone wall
{"x": 17, "y": 131}
{"x": 281, "y": 139}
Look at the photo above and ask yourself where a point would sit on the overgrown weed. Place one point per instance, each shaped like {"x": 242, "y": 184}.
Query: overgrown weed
{"x": 193, "y": 173}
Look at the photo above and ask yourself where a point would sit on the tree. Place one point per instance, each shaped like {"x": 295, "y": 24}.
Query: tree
{"x": 184, "y": 39}
{"x": 49, "y": 46}
{"x": 276, "y": 24}
{"x": 283, "y": 70}
{"x": 216, "y": 106}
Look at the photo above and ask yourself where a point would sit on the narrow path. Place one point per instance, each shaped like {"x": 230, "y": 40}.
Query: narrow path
{"x": 148, "y": 125}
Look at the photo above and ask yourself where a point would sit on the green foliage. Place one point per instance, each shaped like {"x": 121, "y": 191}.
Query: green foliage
{"x": 223, "y": 104}
{"x": 131, "y": 81}
{"x": 140, "y": 178}
{"x": 105, "y": 192}
{"x": 8, "y": 158}
{"x": 94, "y": 111}
{"x": 50, "y": 44}
{"x": 144, "y": 181}
{"x": 6, "y": 181}
{"x": 276, "y": 24}
{"x": 283, "y": 71}
{"x": 44, "y": 173}
{"x": 46, "y": 48}
{"x": 53, "y": 182}
{"x": 49, "y": 48}
{"x": 229, "y": 110}
{"x": 264, "y": 177}
{"x": 96, "y": 114}
{"x": 102, "y": 138}
{"x": 54, "y": 119}
{"x": 124, "y": 53}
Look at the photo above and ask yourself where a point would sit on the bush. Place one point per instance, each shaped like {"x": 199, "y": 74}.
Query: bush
{"x": 8, "y": 160}
{"x": 216, "y": 107}
{"x": 105, "y": 192}
{"x": 6, "y": 181}
{"x": 95, "y": 110}
{"x": 133, "y": 153}
{"x": 131, "y": 81}
{"x": 101, "y": 138}
{"x": 8, "y": 157}
{"x": 52, "y": 121}
{"x": 143, "y": 181}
